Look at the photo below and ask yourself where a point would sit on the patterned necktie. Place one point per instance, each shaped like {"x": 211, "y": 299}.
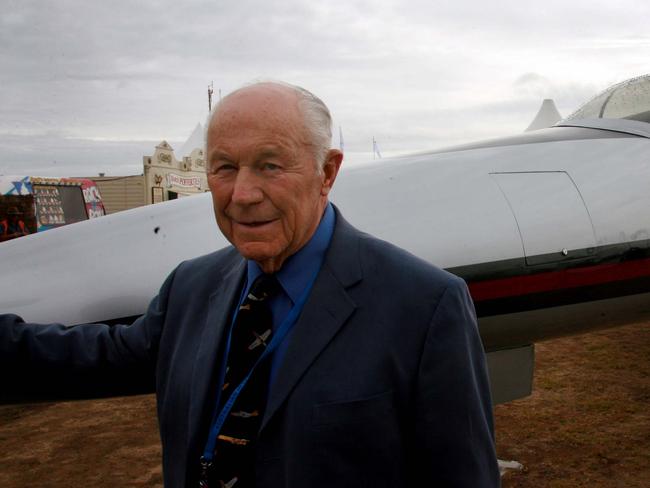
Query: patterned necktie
{"x": 235, "y": 449}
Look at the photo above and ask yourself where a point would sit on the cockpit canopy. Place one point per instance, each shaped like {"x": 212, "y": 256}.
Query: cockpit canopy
{"x": 627, "y": 100}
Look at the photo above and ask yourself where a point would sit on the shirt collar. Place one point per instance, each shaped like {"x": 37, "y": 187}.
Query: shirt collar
{"x": 298, "y": 269}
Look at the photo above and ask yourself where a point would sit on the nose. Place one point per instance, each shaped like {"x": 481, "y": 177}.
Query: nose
{"x": 247, "y": 189}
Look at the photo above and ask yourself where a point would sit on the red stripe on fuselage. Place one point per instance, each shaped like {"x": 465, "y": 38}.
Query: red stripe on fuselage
{"x": 558, "y": 280}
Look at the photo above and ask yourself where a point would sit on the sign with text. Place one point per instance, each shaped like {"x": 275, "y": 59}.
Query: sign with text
{"x": 183, "y": 181}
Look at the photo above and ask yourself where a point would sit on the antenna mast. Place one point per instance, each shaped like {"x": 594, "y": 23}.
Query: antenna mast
{"x": 210, "y": 92}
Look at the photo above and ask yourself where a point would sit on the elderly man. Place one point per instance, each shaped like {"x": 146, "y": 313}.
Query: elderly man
{"x": 308, "y": 354}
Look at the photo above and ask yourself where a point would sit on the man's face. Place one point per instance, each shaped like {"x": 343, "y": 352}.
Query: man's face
{"x": 267, "y": 192}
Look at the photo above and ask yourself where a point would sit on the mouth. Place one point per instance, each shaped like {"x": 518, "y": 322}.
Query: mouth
{"x": 254, "y": 224}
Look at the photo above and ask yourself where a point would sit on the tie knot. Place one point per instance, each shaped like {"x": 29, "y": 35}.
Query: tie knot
{"x": 264, "y": 287}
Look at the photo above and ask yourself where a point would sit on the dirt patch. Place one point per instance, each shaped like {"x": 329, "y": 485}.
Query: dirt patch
{"x": 100, "y": 443}
{"x": 586, "y": 425}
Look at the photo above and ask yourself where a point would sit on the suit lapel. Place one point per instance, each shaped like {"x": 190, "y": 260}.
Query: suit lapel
{"x": 220, "y": 305}
{"x": 325, "y": 312}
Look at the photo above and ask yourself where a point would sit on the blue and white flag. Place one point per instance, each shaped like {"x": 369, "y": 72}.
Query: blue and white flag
{"x": 375, "y": 149}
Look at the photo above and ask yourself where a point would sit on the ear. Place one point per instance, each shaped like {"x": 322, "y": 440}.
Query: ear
{"x": 330, "y": 170}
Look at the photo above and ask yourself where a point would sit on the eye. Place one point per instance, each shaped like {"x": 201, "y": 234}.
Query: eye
{"x": 222, "y": 167}
{"x": 269, "y": 166}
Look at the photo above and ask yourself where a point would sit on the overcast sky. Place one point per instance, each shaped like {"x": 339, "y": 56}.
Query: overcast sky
{"x": 89, "y": 86}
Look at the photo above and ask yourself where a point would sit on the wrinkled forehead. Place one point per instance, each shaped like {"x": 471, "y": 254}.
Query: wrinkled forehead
{"x": 259, "y": 109}
{"x": 260, "y": 103}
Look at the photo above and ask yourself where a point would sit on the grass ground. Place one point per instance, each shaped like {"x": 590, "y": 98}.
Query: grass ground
{"x": 587, "y": 424}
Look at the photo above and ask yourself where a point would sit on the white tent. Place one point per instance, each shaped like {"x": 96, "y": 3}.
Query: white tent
{"x": 547, "y": 116}
{"x": 194, "y": 141}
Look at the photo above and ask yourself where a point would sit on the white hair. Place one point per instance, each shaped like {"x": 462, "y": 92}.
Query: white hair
{"x": 316, "y": 115}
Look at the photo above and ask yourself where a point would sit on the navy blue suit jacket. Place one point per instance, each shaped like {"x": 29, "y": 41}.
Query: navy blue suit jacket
{"x": 383, "y": 383}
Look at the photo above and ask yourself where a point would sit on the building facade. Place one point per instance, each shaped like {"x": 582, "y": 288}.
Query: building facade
{"x": 163, "y": 178}
{"x": 167, "y": 178}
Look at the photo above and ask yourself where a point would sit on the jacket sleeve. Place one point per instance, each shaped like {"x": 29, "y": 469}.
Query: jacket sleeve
{"x": 52, "y": 361}
{"x": 454, "y": 427}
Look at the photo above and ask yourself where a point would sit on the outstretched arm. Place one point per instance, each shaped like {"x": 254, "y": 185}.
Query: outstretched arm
{"x": 52, "y": 361}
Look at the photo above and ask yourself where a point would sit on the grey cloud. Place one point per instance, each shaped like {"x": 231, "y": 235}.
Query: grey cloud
{"x": 51, "y": 154}
{"x": 412, "y": 74}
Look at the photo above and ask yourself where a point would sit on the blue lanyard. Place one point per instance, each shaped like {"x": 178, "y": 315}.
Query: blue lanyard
{"x": 276, "y": 340}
